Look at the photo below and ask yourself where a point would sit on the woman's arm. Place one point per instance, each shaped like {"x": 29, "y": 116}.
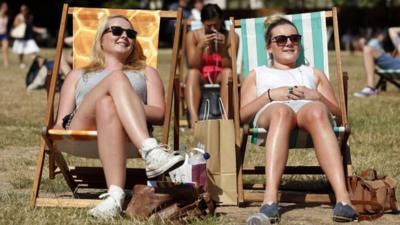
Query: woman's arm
{"x": 226, "y": 47}
{"x": 155, "y": 108}
{"x": 194, "y": 50}
{"x": 394, "y": 33}
{"x": 327, "y": 95}
{"x": 67, "y": 97}
{"x": 18, "y": 20}
{"x": 249, "y": 102}
{"x": 324, "y": 93}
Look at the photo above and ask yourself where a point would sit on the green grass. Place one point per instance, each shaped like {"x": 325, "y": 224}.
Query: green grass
{"x": 374, "y": 143}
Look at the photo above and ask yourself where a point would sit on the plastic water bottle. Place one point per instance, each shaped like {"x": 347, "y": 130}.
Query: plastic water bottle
{"x": 258, "y": 219}
{"x": 199, "y": 156}
{"x": 199, "y": 168}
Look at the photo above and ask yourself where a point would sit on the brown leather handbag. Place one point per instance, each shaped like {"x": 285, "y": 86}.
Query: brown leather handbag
{"x": 181, "y": 202}
{"x": 372, "y": 195}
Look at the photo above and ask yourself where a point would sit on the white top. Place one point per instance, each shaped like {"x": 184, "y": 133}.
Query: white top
{"x": 268, "y": 78}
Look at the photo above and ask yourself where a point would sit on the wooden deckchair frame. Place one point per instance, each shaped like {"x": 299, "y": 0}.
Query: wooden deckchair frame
{"x": 56, "y": 158}
{"x": 241, "y": 142}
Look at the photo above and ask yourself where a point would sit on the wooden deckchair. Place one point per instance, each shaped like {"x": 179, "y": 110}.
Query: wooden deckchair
{"x": 391, "y": 76}
{"x": 54, "y": 142}
{"x": 312, "y": 26}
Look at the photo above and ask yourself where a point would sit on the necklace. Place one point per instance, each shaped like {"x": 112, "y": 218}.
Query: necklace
{"x": 294, "y": 78}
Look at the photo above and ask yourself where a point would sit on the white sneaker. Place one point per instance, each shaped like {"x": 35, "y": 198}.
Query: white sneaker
{"x": 367, "y": 91}
{"x": 159, "y": 161}
{"x": 110, "y": 207}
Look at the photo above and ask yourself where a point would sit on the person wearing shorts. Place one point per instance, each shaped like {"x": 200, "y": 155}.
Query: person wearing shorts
{"x": 207, "y": 53}
{"x": 3, "y": 32}
{"x": 284, "y": 96}
{"x": 374, "y": 54}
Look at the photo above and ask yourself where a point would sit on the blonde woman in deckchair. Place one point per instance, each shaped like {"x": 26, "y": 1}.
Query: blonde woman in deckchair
{"x": 284, "y": 96}
{"x": 117, "y": 94}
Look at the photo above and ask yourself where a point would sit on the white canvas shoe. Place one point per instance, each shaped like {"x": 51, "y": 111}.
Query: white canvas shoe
{"x": 159, "y": 161}
{"x": 111, "y": 206}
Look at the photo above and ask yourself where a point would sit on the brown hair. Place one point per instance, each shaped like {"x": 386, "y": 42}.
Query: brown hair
{"x": 273, "y": 21}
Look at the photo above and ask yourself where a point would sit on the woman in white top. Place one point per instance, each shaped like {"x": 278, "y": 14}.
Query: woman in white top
{"x": 285, "y": 96}
{"x": 3, "y": 32}
{"x": 117, "y": 95}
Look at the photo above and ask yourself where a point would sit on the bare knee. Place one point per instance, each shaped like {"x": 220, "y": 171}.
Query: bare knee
{"x": 225, "y": 76}
{"x": 278, "y": 114}
{"x": 193, "y": 77}
{"x": 316, "y": 114}
{"x": 283, "y": 113}
{"x": 105, "y": 109}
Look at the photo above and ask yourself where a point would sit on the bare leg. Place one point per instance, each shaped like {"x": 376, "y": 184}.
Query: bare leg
{"x": 223, "y": 79}
{"x": 4, "y": 46}
{"x": 193, "y": 94}
{"x": 279, "y": 119}
{"x": 128, "y": 106}
{"x": 21, "y": 58}
{"x": 313, "y": 117}
{"x": 111, "y": 142}
{"x": 369, "y": 54}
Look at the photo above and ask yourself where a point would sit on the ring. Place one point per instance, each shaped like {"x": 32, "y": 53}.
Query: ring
{"x": 290, "y": 89}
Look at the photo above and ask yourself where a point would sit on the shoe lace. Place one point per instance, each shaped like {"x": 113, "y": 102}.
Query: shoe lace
{"x": 104, "y": 196}
{"x": 164, "y": 152}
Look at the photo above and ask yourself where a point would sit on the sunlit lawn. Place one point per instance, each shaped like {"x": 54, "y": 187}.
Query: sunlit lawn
{"x": 374, "y": 143}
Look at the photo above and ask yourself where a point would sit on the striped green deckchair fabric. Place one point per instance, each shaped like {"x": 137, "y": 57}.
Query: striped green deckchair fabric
{"x": 391, "y": 74}
{"x": 312, "y": 27}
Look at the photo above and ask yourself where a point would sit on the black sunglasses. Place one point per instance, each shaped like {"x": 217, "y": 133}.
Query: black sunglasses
{"x": 117, "y": 31}
{"x": 281, "y": 40}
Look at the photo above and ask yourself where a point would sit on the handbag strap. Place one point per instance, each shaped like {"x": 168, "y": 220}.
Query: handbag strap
{"x": 207, "y": 110}
{"x": 222, "y": 108}
{"x": 368, "y": 216}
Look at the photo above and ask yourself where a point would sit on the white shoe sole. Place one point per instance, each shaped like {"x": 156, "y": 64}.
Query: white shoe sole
{"x": 176, "y": 162}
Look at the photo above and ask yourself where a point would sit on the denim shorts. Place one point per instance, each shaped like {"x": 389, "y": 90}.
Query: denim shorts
{"x": 3, "y": 37}
{"x": 386, "y": 62}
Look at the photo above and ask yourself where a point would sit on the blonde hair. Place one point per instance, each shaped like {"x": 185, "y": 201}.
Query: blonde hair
{"x": 135, "y": 61}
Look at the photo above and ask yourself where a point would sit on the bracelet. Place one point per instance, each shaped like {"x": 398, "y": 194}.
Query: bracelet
{"x": 269, "y": 95}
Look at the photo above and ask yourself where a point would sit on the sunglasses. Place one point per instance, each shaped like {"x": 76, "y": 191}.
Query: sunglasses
{"x": 281, "y": 40}
{"x": 117, "y": 31}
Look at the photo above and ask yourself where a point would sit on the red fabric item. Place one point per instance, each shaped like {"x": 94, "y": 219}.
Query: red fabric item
{"x": 211, "y": 66}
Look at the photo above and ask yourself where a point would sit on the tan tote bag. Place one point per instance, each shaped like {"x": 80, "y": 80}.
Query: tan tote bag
{"x": 218, "y": 138}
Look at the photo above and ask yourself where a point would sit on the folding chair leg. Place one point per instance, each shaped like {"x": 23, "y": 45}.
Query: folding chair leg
{"x": 240, "y": 161}
{"x": 381, "y": 84}
{"x": 38, "y": 173}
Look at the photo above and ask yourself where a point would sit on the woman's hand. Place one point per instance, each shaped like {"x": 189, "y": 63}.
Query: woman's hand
{"x": 206, "y": 40}
{"x": 278, "y": 94}
{"x": 302, "y": 92}
{"x": 293, "y": 93}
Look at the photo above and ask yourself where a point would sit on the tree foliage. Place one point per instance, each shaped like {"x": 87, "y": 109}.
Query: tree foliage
{"x": 123, "y": 4}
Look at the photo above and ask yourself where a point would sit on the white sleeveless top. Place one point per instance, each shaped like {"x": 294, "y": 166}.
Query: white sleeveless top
{"x": 269, "y": 78}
